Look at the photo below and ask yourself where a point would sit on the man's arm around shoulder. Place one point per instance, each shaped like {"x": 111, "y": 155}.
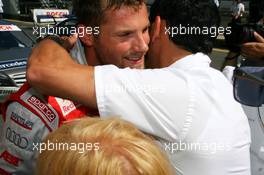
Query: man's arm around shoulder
{"x": 52, "y": 71}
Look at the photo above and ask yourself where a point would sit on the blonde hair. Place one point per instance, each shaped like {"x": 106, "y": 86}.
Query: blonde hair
{"x": 118, "y": 148}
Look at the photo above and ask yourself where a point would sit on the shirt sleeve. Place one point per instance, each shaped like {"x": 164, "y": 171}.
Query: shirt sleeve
{"x": 228, "y": 72}
{"x": 146, "y": 98}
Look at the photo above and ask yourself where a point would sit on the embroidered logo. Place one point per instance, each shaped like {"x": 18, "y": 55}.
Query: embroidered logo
{"x": 42, "y": 107}
{"x": 66, "y": 106}
{"x": 21, "y": 121}
{"x": 13, "y": 160}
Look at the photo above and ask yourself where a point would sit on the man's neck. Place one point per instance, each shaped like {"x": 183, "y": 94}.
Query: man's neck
{"x": 91, "y": 57}
{"x": 172, "y": 53}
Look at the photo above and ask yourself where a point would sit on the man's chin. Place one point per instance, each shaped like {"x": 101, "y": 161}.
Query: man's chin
{"x": 141, "y": 66}
{"x": 135, "y": 65}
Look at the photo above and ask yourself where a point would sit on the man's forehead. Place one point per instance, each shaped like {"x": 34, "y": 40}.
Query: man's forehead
{"x": 122, "y": 12}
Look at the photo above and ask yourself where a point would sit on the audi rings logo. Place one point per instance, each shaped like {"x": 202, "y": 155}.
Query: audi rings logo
{"x": 16, "y": 138}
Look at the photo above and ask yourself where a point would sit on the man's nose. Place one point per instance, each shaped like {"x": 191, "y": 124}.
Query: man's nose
{"x": 141, "y": 43}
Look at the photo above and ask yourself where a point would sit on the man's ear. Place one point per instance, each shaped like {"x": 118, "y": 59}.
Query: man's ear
{"x": 155, "y": 29}
{"x": 86, "y": 38}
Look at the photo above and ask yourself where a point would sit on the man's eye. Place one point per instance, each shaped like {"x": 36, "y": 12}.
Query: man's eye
{"x": 146, "y": 29}
{"x": 124, "y": 34}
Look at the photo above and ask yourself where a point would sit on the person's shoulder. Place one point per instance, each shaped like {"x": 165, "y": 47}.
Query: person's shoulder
{"x": 241, "y": 5}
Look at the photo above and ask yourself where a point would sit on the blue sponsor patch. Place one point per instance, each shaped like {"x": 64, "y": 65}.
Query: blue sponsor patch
{"x": 13, "y": 64}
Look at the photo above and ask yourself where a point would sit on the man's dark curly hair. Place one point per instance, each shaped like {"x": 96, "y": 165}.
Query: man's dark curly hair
{"x": 91, "y": 12}
{"x": 188, "y": 13}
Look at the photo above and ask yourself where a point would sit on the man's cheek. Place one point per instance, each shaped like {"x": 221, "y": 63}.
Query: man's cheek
{"x": 147, "y": 38}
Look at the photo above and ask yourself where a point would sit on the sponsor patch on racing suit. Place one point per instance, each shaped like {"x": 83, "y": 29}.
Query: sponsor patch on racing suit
{"x": 27, "y": 119}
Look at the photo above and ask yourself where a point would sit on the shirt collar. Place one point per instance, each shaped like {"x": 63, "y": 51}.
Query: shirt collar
{"x": 198, "y": 59}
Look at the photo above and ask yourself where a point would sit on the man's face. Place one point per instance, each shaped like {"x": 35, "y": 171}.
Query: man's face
{"x": 124, "y": 38}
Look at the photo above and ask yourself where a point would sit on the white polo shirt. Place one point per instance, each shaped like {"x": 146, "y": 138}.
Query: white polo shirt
{"x": 239, "y": 9}
{"x": 188, "y": 106}
{"x": 1, "y": 7}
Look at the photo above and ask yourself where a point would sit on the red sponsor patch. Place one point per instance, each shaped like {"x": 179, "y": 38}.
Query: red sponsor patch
{"x": 56, "y": 13}
{"x": 66, "y": 106}
{"x": 3, "y": 172}
{"x": 42, "y": 107}
{"x": 9, "y": 28}
{"x": 13, "y": 160}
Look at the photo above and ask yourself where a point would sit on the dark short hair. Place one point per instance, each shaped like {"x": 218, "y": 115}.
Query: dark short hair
{"x": 188, "y": 13}
{"x": 91, "y": 12}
